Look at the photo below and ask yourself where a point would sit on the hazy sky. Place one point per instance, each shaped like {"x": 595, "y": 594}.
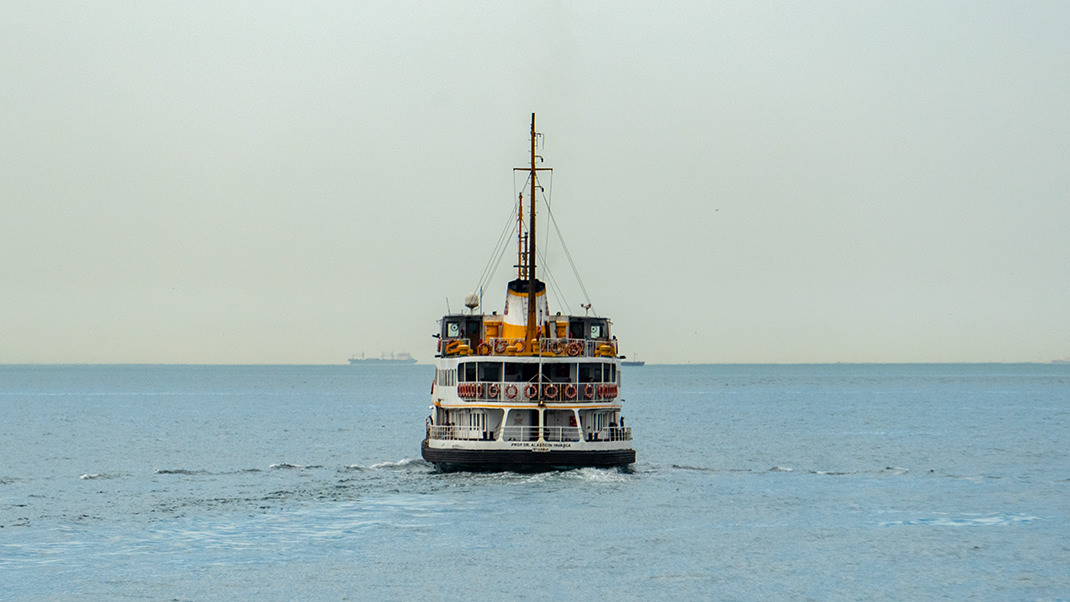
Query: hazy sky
{"x": 296, "y": 182}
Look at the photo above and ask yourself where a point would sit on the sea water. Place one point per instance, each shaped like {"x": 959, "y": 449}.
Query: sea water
{"x": 825, "y": 482}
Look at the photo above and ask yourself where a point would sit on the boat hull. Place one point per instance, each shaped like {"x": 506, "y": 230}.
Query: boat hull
{"x": 495, "y": 460}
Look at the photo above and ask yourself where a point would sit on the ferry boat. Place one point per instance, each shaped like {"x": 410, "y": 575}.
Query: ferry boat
{"x": 523, "y": 389}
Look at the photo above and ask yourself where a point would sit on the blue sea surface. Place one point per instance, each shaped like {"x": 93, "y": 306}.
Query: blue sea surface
{"x": 818, "y": 482}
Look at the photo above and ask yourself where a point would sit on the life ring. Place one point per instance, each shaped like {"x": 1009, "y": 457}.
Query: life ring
{"x": 574, "y": 348}
{"x": 550, "y": 390}
{"x": 601, "y": 390}
{"x": 479, "y": 390}
{"x": 588, "y": 391}
{"x": 570, "y": 391}
{"x": 483, "y": 349}
{"x": 510, "y": 391}
{"x": 500, "y": 345}
{"x": 557, "y": 346}
{"x": 492, "y": 390}
{"x": 531, "y": 391}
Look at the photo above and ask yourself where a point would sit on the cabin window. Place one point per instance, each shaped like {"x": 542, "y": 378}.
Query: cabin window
{"x": 575, "y": 330}
{"x": 596, "y": 331}
{"x": 610, "y": 373}
{"x": 516, "y": 372}
{"x": 453, "y": 330}
{"x": 558, "y": 373}
{"x": 589, "y": 373}
{"x": 490, "y": 371}
{"x": 447, "y": 378}
{"x": 468, "y": 372}
{"x": 512, "y": 372}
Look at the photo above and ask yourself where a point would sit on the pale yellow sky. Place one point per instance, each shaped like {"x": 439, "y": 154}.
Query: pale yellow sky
{"x": 280, "y": 182}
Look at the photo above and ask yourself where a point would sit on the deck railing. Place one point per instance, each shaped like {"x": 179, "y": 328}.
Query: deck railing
{"x": 459, "y": 433}
{"x": 547, "y": 391}
{"x": 612, "y": 433}
{"x": 553, "y": 347}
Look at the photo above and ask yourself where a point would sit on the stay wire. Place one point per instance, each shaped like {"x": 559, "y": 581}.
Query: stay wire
{"x": 568, "y": 255}
{"x": 498, "y": 252}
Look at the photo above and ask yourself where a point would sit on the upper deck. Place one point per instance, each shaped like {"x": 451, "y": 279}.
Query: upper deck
{"x": 559, "y": 336}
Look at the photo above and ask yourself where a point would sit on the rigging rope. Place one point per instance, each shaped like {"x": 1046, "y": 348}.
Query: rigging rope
{"x": 498, "y": 252}
{"x": 568, "y": 255}
{"x": 510, "y": 229}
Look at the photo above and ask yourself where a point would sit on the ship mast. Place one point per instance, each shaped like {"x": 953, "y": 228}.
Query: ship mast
{"x": 532, "y": 333}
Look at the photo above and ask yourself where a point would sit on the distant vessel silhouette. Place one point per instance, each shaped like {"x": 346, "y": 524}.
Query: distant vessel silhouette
{"x": 401, "y": 358}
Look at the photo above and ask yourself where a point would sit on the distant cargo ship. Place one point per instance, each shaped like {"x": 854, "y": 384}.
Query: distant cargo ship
{"x": 401, "y": 358}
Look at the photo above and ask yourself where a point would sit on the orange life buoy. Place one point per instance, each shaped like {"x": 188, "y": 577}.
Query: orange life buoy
{"x": 492, "y": 390}
{"x": 483, "y": 349}
{"x": 570, "y": 391}
{"x": 500, "y": 345}
{"x": 530, "y": 391}
{"x": 588, "y": 391}
{"x": 574, "y": 348}
{"x": 510, "y": 391}
{"x": 479, "y": 390}
{"x": 550, "y": 390}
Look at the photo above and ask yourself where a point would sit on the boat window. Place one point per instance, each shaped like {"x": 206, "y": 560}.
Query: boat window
{"x": 468, "y": 372}
{"x": 453, "y": 330}
{"x": 512, "y": 372}
{"x": 610, "y": 373}
{"x": 490, "y": 371}
{"x": 575, "y": 330}
{"x": 596, "y": 331}
{"x": 558, "y": 373}
{"x": 589, "y": 373}
{"x": 516, "y": 372}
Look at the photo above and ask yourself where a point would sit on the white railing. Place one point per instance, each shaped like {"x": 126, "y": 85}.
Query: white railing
{"x": 557, "y": 347}
{"x": 548, "y": 391}
{"x": 463, "y": 433}
{"x": 613, "y": 433}
{"x": 520, "y": 433}
{"x": 524, "y": 433}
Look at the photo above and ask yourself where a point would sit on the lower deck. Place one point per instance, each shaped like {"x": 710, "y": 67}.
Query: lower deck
{"x": 534, "y": 423}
